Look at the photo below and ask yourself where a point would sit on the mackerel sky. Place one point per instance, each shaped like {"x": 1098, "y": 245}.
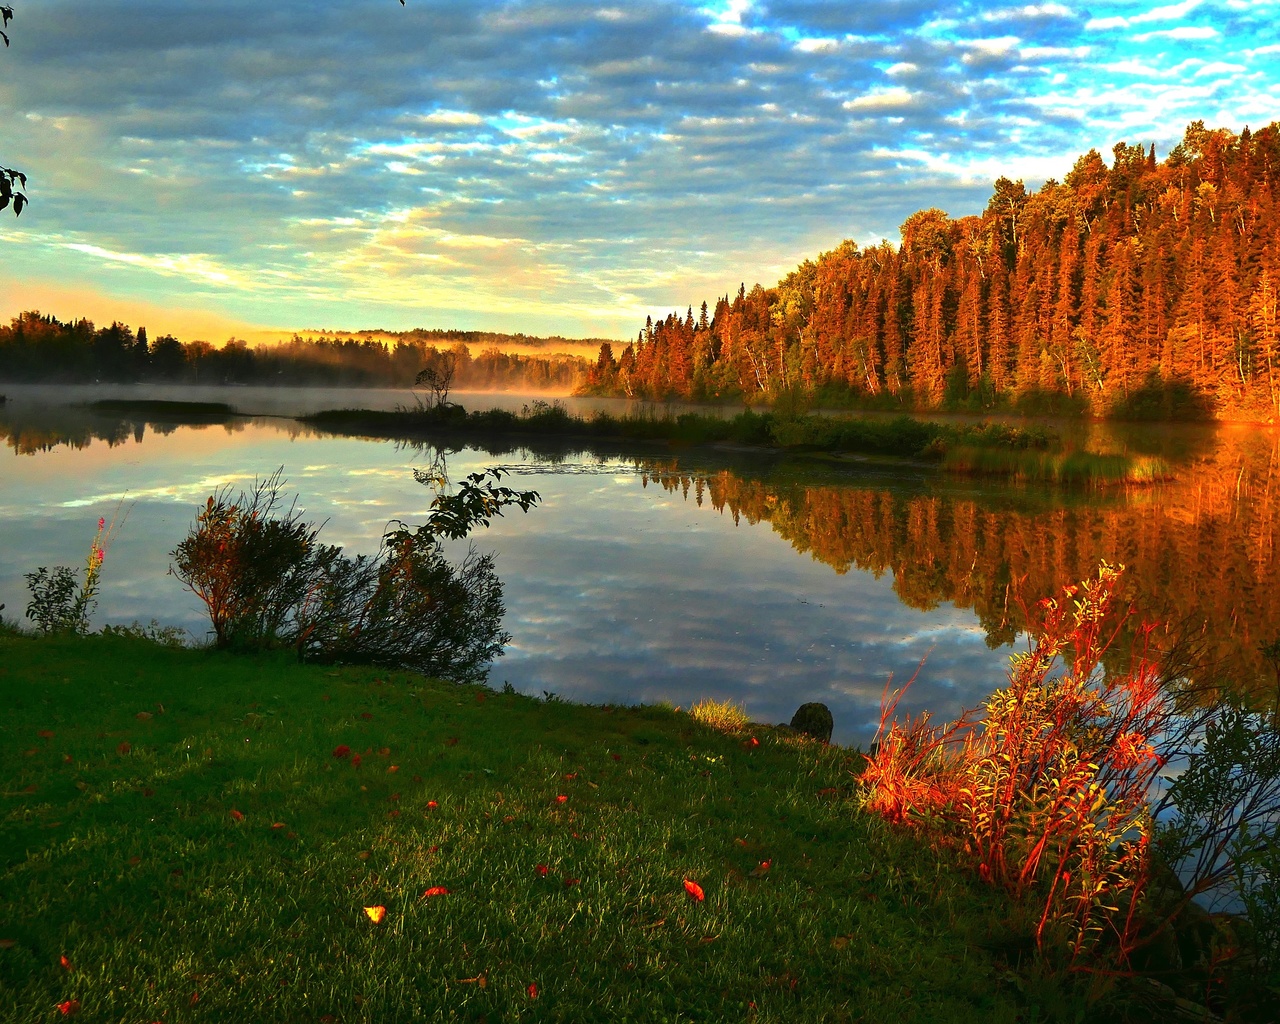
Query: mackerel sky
{"x": 556, "y": 167}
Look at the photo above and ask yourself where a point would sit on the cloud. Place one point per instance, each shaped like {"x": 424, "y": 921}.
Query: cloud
{"x": 254, "y": 161}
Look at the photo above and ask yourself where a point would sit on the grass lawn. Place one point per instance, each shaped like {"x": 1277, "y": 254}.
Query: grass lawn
{"x": 176, "y": 825}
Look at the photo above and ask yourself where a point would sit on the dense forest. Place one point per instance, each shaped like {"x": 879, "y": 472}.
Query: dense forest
{"x": 1148, "y": 288}
{"x": 38, "y": 348}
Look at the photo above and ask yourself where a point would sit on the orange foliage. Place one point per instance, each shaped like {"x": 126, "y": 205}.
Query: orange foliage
{"x": 1045, "y": 789}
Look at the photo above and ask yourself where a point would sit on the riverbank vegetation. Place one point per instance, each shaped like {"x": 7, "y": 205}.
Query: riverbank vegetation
{"x": 996, "y": 449}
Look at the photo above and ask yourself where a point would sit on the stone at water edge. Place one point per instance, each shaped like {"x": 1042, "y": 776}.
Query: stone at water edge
{"x": 813, "y": 720}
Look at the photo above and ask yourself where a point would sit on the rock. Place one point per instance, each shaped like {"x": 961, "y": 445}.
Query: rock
{"x": 813, "y": 720}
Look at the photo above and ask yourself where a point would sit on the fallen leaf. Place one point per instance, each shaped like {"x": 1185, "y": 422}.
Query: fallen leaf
{"x": 66, "y": 964}
{"x": 355, "y": 760}
{"x": 135, "y": 861}
{"x": 195, "y": 998}
{"x": 394, "y": 797}
{"x": 143, "y": 716}
{"x": 694, "y": 890}
{"x": 616, "y": 757}
{"x": 542, "y": 870}
{"x": 561, "y": 798}
{"x": 366, "y": 716}
{"x": 532, "y": 990}
{"x": 741, "y": 842}
{"x": 451, "y": 741}
{"x": 30, "y": 753}
{"x": 45, "y": 734}
{"x": 70, "y": 1008}
{"x": 751, "y": 743}
{"x": 840, "y": 941}
{"x": 277, "y": 825}
{"x": 324, "y": 697}
{"x": 375, "y": 914}
{"x": 569, "y": 882}
{"x": 762, "y": 869}
{"x": 363, "y": 854}
{"x": 66, "y": 758}
{"x": 571, "y": 775}
{"x": 432, "y": 805}
{"x": 435, "y": 890}
{"x": 392, "y": 768}
{"x": 384, "y": 752}
{"x": 341, "y": 751}
{"x": 393, "y": 814}
{"x": 480, "y": 698}
{"x": 237, "y": 815}
{"x": 124, "y": 748}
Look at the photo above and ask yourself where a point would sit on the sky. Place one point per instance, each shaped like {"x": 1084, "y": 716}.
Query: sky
{"x": 552, "y": 168}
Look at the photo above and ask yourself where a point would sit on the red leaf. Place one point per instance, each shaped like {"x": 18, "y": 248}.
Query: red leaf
{"x": 542, "y": 870}
{"x": 452, "y": 741}
{"x": 616, "y": 757}
{"x": 366, "y": 715}
{"x": 124, "y": 748}
{"x": 694, "y": 890}
{"x": 341, "y": 751}
{"x": 277, "y": 825}
{"x": 375, "y": 914}
{"x": 355, "y": 760}
{"x": 45, "y": 734}
{"x": 435, "y": 890}
{"x": 70, "y": 1008}
{"x": 568, "y": 882}
{"x": 561, "y": 798}
{"x": 237, "y": 815}
{"x": 66, "y": 964}
{"x": 432, "y": 805}
{"x": 532, "y": 990}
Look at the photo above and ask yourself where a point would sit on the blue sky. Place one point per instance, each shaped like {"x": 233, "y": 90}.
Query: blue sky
{"x": 551, "y": 167}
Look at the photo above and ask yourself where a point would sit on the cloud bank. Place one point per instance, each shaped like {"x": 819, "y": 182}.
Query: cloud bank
{"x": 562, "y": 166}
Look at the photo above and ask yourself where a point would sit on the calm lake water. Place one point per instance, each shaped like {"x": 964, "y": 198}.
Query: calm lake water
{"x": 659, "y": 574}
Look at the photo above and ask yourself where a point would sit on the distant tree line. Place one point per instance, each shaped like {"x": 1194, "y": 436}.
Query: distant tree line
{"x": 1146, "y": 288}
{"x": 39, "y": 348}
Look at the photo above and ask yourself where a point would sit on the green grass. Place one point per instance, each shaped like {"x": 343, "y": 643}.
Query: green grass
{"x": 123, "y": 762}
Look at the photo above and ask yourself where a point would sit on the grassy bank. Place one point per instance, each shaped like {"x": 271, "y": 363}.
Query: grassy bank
{"x": 1020, "y": 452}
{"x": 196, "y": 836}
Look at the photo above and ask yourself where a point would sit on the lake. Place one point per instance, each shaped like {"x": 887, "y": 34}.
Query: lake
{"x": 663, "y": 574}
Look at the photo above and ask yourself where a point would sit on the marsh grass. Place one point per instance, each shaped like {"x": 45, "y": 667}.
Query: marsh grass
{"x": 1077, "y": 468}
{"x": 177, "y": 826}
{"x": 899, "y": 438}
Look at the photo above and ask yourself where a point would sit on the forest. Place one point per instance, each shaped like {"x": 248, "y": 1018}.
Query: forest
{"x": 1139, "y": 289}
{"x": 37, "y": 348}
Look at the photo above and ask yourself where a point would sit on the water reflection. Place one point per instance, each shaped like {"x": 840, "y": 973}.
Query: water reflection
{"x": 675, "y": 575}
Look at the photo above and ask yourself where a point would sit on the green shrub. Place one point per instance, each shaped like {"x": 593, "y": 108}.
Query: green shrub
{"x": 267, "y": 582}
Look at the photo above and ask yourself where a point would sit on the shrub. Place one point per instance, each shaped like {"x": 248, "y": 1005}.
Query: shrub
{"x": 266, "y": 581}
{"x": 59, "y": 603}
{"x": 1047, "y": 791}
{"x": 250, "y": 566}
